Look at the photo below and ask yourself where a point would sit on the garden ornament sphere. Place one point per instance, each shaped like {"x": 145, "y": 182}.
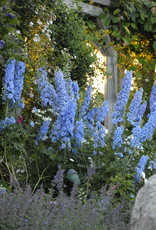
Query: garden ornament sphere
{"x": 72, "y": 176}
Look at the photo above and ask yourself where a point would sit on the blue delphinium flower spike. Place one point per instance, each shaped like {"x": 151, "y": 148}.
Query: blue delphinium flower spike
{"x": 122, "y": 100}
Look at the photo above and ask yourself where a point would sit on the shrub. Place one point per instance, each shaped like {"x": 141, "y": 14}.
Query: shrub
{"x": 22, "y": 209}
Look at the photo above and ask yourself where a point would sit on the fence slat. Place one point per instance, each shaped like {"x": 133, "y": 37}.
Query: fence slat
{"x": 102, "y": 2}
{"x": 85, "y": 8}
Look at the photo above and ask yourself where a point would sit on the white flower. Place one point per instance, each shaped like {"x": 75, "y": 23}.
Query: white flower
{"x": 150, "y": 168}
{"x": 43, "y": 112}
{"x": 142, "y": 175}
{"x": 36, "y": 38}
{"x": 106, "y": 131}
{"x": 47, "y": 119}
{"x": 44, "y": 138}
{"x": 39, "y": 22}
{"x": 91, "y": 161}
{"x": 50, "y": 110}
{"x": 84, "y": 140}
{"x": 18, "y": 31}
{"x": 39, "y": 115}
{"x": 51, "y": 22}
{"x": 31, "y": 24}
{"x": 31, "y": 94}
{"x": 49, "y": 31}
{"x": 71, "y": 159}
{"x": 35, "y": 82}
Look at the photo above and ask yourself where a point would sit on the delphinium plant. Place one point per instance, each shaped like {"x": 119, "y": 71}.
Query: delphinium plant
{"x": 63, "y": 130}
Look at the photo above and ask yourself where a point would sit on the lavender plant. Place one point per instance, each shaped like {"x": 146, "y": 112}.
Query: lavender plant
{"x": 22, "y": 209}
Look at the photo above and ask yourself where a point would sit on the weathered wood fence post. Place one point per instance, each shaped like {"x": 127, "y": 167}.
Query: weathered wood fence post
{"x": 111, "y": 88}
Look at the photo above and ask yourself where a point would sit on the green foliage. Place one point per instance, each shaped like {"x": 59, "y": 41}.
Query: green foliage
{"x": 69, "y": 36}
{"x": 12, "y": 41}
{"x": 70, "y": 33}
{"x": 132, "y": 26}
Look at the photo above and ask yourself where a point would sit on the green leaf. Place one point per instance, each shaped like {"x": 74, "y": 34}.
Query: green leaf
{"x": 133, "y": 25}
{"x": 127, "y": 30}
{"x": 115, "y": 19}
{"x": 152, "y": 66}
{"x": 138, "y": 75}
{"x": 147, "y": 26}
{"x": 125, "y": 40}
{"x": 153, "y": 20}
{"x": 142, "y": 60}
{"x": 133, "y": 68}
{"x": 105, "y": 21}
{"x": 116, "y": 11}
{"x": 116, "y": 33}
{"x": 142, "y": 16}
{"x": 134, "y": 37}
{"x": 102, "y": 16}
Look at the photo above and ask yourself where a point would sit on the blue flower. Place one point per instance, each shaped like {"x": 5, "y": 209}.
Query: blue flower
{"x": 2, "y": 44}
{"x": 43, "y": 130}
{"x": 9, "y": 81}
{"x": 135, "y": 139}
{"x": 99, "y": 129}
{"x": 61, "y": 89}
{"x": 7, "y": 122}
{"x": 117, "y": 139}
{"x": 2, "y": 190}
{"x": 79, "y": 131}
{"x": 153, "y": 99}
{"x": 11, "y": 15}
{"x": 34, "y": 110}
{"x": 122, "y": 100}
{"x": 141, "y": 166}
{"x": 48, "y": 93}
{"x": 134, "y": 106}
{"x": 102, "y": 111}
{"x": 152, "y": 164}
{"x": 99, "y": 134}
{"x": 90, "y": 118}
{"x": 32, "y": 124}
{"x": 75, "y": 89}
{"x": 118, "y": 154}
{"x": 86, "y": 103}
{"x": 140, "y": 113}
{"x": 13, "y": 83}
{"x": 149, "y": 128}
{"x": 18, "y": 82}
{"x": 64, "y": 125}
